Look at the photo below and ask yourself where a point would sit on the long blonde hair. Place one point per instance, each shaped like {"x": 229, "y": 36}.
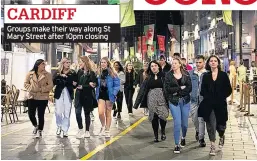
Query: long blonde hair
{"x": 87, "y": 62}
{"x": 61, "y": 65}
{"x": 182, "y": 69}
{"x": 109, "y": 66}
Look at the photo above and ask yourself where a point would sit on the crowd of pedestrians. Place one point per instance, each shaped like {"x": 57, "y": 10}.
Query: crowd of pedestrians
{"x": 165, "y": 88}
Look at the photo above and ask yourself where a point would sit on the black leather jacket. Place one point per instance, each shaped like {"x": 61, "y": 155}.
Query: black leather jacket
{"x": 62, "y": 82}
{"x": 174, "y": 92}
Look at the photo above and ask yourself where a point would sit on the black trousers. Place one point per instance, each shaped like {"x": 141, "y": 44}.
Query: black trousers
{"x": 119, "y": 101}
{"x": 155, "y": 125}
{"x": 78, "y": 111}
{"x": 129, "y": 98}
{"x": 40, "y": 107}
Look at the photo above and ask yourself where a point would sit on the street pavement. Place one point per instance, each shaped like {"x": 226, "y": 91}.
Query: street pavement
{"x": 132, "y": 138}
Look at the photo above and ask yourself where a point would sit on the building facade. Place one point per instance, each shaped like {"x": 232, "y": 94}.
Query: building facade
{"x": 206, "y": 33}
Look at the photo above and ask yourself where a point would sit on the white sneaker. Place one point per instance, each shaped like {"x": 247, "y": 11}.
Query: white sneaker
{"x": 107, "y": 134}
{"x": 87, "y": 134}
{"x": 65, "y": 134}
{"x": 38, "y": 134}
{"x": 130, "y": 114}
{"x": 58, "y": 131}
{"x": 102, "y": 131}
{"x": 80, "y": 134}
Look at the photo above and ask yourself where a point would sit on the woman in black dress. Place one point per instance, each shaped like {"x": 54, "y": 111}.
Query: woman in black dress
{"x": 215, "y": 89}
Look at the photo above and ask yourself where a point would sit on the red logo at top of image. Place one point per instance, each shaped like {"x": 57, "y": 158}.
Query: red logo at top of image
{"x": 188, "y": 2}
{"x": 40, "y": 13}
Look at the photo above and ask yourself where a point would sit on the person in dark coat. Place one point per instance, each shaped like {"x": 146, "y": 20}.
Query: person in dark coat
{"x": 215, "y": 89}
{"x": 130, "y": 85}
{"x": 142, "y": 74}
{"x": 65, "y": 80}
{"x": 151, "y": 95}
{"x": 166, "y": 67}
{"x": 85, "y": 95}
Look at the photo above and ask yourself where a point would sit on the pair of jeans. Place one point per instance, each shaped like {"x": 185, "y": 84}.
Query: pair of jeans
{"x": 180, "y": 114}
{"x": 119, "y": 101}
{"x": 198, "y": 121}
{"x": 129, "y": 98}
{"x": 40, "y": 107}
{"x": 63, "y": 110}
{"x": 212, "y": 126}
{"x": 78, "y": 111}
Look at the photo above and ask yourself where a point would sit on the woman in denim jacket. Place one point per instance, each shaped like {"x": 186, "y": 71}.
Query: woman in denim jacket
{"x": 106, "y": 92}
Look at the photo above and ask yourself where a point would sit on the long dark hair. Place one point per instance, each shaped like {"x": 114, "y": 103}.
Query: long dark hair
{"x": 149, "y": 71}
{"x": 35, "y": 67}
{"x": 208, "y": 67}
{"x": 121, "y": 69}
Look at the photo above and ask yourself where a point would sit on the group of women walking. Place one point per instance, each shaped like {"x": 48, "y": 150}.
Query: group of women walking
{"x": 161, "y": 91}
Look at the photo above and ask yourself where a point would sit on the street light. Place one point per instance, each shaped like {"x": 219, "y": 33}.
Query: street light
{"x": 69, "y": 1}
{"x": 36, "y": 1}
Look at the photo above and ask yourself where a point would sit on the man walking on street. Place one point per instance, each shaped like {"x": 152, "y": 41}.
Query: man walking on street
{"x": 196, "y": 78}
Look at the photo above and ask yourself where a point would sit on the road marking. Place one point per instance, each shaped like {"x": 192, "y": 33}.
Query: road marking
{"x": 12, "y": 132}
{"x": 169, "y": 118}
{"x": 101, "y": 147}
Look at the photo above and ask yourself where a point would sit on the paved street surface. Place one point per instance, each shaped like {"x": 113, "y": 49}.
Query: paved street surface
{"x": 132, "y": 138}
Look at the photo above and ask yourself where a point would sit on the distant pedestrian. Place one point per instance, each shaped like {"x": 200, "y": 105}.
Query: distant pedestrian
{"x": 120, "y": 73}
{"x": 142, "y": 75}
{"x": 130, "y": 85}
{"x": 166, "y": 67}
